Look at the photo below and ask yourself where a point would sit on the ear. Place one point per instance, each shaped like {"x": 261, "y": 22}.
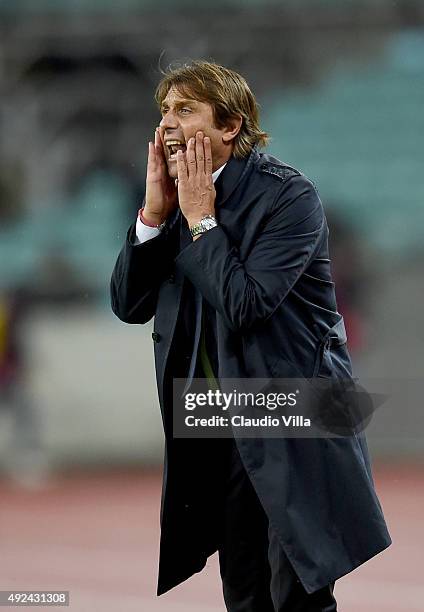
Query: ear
{"x": 232, "y": 128}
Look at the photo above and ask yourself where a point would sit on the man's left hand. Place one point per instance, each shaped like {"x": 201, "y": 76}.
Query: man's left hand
{"x": 196, "y": 191}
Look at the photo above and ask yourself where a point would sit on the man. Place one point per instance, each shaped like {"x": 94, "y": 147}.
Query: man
{"x": 229, "y": 253}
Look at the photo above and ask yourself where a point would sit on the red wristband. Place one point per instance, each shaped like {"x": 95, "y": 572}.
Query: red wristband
{"x": 144, "y": 220}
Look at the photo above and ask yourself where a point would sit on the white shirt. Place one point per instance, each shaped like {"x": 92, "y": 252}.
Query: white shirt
{"x": 145, "y": 232}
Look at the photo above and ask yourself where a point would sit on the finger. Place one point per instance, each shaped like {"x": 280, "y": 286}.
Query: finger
{"x": 200, "y": 155}
{"x": 191, "y": 158}
{"x": 159, "y": 145}
{"x": 181, "y": 169}
{"x": 208, "y": 158}
{"x": 161, "y": 134}
{"x": 151, "y": 158}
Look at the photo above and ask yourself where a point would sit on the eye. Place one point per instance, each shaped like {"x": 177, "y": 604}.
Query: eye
{"x": 185, "y": 110}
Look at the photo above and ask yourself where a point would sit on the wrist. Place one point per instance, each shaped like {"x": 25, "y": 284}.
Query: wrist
{"x": 150, "y": 219}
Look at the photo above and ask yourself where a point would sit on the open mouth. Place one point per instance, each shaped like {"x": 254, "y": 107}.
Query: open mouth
{"x": 174, "y": 146}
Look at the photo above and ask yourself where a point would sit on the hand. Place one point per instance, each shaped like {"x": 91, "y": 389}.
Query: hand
{"x": 196, "y": 191}
{"x": 161, "y": 192}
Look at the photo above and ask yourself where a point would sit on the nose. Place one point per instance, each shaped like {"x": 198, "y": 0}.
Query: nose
{"x": 169, "y": 121}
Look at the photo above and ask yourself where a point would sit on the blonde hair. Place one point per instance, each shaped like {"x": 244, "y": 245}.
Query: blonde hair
{"x": 225, "y": 90}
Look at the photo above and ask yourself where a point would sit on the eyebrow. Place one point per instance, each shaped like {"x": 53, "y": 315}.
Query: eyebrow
{"x": 179, "y": 104}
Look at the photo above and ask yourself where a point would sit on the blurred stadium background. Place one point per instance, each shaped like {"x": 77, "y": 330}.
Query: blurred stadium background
{"x": 341, "y": 89}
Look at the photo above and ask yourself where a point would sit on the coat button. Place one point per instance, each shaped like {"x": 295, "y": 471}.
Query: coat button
{"x": 155, "y": 337}
{"x": 171, "y": 278}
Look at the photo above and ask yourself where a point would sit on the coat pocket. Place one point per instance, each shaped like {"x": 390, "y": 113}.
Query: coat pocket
{"x": 335, "y": 337}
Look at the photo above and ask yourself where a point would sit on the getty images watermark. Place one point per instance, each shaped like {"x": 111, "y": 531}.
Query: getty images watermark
{"x": 274, "y": 408}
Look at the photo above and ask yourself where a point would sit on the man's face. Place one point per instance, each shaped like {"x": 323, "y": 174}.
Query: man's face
{"x": 181, "y": 118}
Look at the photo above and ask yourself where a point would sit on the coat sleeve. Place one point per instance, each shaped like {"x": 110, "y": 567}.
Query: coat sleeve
{"x": 138, "y": 273}
{"x": 248, "y": 292}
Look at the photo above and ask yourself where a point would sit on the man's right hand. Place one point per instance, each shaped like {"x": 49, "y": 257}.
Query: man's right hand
{"x": 161, "y": 191}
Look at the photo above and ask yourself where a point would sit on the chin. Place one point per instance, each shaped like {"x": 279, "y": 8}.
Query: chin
{"x": 172, "y": 169}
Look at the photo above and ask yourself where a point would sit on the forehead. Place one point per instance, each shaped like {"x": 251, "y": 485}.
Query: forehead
{"x": 174, "y": 96}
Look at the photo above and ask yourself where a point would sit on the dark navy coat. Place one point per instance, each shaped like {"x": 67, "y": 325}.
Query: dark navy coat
{"x": 265, "y": 270}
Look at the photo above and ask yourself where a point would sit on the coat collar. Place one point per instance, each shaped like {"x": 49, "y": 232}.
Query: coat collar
{"x": 233, "y": 174}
